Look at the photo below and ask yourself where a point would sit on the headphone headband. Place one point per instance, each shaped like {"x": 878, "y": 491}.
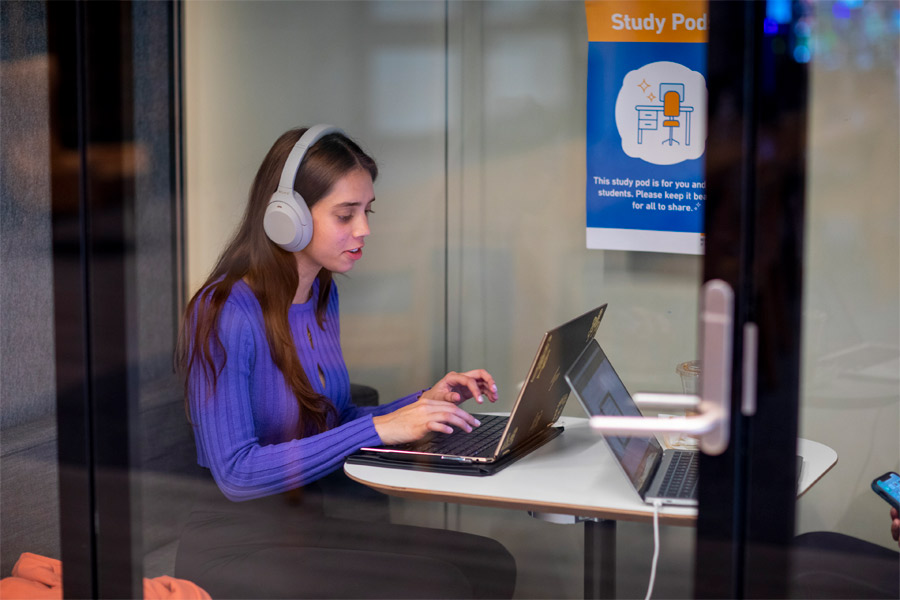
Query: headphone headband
{"x": 295, "y": 158}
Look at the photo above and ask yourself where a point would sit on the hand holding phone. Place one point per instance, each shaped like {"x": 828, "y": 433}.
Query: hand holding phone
{"x": 888, "y": 487}
{"x": 895, "y": 525}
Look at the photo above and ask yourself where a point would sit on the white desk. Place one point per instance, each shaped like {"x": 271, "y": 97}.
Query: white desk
{"x": 573, "y": 474}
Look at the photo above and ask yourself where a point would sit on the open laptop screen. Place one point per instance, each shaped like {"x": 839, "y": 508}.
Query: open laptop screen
{"x": 601, "y": 392}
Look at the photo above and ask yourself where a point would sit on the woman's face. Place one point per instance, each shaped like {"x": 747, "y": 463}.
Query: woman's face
{"x": 341, "y": 223}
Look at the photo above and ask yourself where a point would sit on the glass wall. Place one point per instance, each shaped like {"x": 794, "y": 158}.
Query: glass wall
{"x": 162, "y": 436}
{"x": 68, "y": 166}
{"x": 851, "y": 391}
{"x": 477, "y": 243}
{"x": 475, "y": 112}
{"x": 27, "y": 350}
{"x": 518, "y": 263}
{"x": 375, "y": 69}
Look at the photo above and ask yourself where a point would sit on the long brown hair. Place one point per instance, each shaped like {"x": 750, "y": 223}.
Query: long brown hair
{"x": 270, "y": 272}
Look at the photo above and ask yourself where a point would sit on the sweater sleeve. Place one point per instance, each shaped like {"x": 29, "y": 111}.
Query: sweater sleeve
{"x": 355, "y": 412}
{"x": 227, "y": 440}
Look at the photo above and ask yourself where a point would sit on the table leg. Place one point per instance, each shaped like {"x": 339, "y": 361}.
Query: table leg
{"x": 687, "y": 130}
{"x": 600, "y": 558}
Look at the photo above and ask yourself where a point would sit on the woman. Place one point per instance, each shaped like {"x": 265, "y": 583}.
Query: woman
{"x": 269, "y": 400}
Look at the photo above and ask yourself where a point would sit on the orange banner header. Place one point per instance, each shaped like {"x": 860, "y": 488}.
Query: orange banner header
{"x": 647, "y": 21}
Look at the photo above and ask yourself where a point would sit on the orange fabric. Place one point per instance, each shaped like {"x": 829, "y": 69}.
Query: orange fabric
{"x": 164, "y": 587}
{"x": 36, "y": 577}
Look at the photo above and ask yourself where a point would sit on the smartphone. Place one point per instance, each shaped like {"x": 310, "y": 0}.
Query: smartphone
{"x": 888, "y": 487}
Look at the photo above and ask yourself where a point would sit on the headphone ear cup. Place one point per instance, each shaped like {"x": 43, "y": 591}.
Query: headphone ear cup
{"x": 288, "y": 222}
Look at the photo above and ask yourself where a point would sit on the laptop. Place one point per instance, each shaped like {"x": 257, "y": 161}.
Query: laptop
{"x": 670, "y": 476}
{"x": 501, "y": 439}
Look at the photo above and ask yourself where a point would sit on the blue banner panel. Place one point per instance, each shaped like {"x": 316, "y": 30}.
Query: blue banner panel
{"x": 646, "y": 140}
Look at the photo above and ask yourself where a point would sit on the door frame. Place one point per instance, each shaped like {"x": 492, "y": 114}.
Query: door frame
{"x": 93, "y": 169}
{"x": 754, "y": 222}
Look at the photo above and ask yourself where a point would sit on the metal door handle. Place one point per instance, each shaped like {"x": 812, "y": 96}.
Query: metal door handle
{"x": 712, "y": 424}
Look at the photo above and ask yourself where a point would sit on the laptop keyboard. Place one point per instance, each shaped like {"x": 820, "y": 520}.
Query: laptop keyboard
{"x": 482, "y": 441}
{"x": 681, "y": 477}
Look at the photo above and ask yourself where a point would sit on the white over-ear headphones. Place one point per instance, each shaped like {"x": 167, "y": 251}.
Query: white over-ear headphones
{"x": 288, "y": 222}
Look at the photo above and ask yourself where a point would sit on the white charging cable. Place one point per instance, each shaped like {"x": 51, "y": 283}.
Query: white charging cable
{"x": 656, "y": 506}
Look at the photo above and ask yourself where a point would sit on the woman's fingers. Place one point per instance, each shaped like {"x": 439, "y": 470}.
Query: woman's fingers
{"x": 463, "y": 385}
{"x": 457, "y": 387}
{"x": 444, "y": 425}
{"x": 447, "y": 413}
{"x": 462, "y": 420}
{"x": 895, "y": 525}
{"x": 427, "y": 414}
{"x": 472, "y": 384}
{"x": 486, "y": 383}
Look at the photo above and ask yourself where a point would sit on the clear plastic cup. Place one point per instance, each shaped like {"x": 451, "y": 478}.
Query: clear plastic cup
{"x": 690, "y": 376}
{"x": 689, "y": 372}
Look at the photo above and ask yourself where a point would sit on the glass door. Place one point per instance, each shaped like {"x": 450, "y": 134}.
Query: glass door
{"x": 754, "y": 225}
{"x": 95, "y": 446}
{"x": 781, "y": 79}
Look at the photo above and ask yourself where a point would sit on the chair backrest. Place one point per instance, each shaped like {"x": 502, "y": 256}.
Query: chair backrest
{"x": 672, "y": 104}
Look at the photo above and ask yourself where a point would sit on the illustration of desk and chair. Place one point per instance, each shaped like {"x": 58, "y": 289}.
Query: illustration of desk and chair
{"x": 672, "y": 96}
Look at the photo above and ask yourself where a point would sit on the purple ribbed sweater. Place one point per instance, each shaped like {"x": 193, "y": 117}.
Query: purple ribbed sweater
{"x": 246, "y": 430}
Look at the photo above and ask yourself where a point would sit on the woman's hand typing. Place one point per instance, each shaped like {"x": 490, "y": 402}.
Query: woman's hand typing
{"x": 413, "y": 421}
{"x": 437, "y": 410}
{"x": 459, "y": 387}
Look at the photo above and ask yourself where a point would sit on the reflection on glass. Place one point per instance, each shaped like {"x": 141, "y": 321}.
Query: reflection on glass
{"x": 851, "y": 291}
{"x": 29, "y": 510}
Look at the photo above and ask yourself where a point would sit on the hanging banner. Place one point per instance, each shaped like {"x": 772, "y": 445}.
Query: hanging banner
{"x": 646, "y": 125}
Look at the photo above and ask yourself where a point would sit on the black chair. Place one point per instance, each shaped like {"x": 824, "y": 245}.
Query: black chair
{"x": 363, "y": 395}
{"x": 834, "y": 565}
